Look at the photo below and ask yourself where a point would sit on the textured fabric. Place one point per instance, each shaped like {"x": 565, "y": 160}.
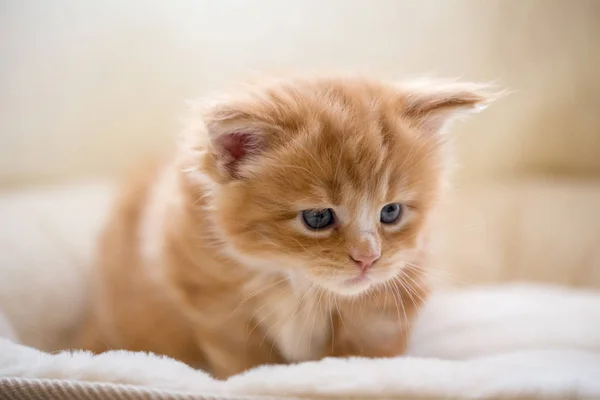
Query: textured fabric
{"x": 499, "y": 342}
{"x": 50, "y": 389}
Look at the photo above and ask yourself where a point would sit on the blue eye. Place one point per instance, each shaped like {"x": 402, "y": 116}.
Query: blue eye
{"x": 318, "y": 219}
{"x": 391, "y": 213}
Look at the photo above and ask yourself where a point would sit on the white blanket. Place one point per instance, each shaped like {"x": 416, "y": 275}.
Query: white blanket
{"x": 510, "y": 342}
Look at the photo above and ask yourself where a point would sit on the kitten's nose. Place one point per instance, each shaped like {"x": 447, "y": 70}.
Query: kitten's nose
{"x": 364, "y": 260}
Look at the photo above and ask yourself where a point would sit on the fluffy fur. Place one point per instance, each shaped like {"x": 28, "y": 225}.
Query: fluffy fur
{"x": 207, "y": 260}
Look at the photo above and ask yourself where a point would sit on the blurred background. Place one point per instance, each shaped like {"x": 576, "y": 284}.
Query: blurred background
{"x": 90, "y": 87}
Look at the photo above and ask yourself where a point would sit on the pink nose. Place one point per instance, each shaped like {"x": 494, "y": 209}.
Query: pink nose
{"x": 364, "y": 260}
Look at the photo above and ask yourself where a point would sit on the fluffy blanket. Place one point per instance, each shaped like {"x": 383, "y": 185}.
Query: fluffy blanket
{"x": 501, "y": 342}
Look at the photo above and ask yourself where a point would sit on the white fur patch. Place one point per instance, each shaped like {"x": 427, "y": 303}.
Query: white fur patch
{"x": 303, "y": 337}
{"x": 366, "y": 218}
{"x": 298, "y": 322}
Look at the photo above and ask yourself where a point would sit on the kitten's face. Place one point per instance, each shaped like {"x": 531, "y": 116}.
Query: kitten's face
{"x": 329, "y": 180}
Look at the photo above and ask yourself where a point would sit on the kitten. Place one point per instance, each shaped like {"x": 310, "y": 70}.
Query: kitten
{"x": 290, "y": 225}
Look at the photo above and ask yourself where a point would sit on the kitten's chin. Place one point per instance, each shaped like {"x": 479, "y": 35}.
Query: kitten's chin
{"x": 349, "y": 287}
{"x": 353, "y": 286}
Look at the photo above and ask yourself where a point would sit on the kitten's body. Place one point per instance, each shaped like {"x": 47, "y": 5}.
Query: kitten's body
{"x": 204, "y": 259}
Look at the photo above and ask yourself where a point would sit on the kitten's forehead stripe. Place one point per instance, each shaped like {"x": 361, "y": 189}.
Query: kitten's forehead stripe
{"x": 364, "y": 175}
{"x": 365, "y": 220}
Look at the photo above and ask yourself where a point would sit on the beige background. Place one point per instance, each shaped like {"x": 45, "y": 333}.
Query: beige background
{"x": 87, "y": 87}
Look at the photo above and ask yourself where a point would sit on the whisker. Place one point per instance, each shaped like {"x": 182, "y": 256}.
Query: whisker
{"x": 259, "y": 309}
{"x": 399, "y": 299}
{"x": 433, "y": 271}
{"x": 412, "y": 289}
{"x": 281, "y": 321}
{"x": 312, "y": 327}
{"x": 337, "y": 307}
{"x": 331, "y": 324}
{"x": 256, "y": 293}
{"x": 304, "y": 323}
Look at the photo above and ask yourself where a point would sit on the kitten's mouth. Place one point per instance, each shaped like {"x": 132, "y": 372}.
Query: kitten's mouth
{"x": 353, "y": 286}
{"x": 362, "y": 282}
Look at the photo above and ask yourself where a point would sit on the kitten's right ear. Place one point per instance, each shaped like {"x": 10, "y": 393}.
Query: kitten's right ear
{"x": 234, "y": 140}
{"x": 232, "y": 148}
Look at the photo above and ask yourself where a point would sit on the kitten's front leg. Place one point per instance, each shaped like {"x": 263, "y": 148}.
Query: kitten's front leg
{"x": 235, "y": 349}
{"x": 303, "y": 337}
{"x": 359, "y": 334}
{"x": 376, "y": 324}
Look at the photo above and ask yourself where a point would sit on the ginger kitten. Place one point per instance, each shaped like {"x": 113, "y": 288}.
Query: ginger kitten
{"x": 290, "y": 225}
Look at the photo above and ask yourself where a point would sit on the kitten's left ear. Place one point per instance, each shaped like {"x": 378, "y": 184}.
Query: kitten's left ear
{"x": 429, "y": 106}
{"x": 236, "y": 138}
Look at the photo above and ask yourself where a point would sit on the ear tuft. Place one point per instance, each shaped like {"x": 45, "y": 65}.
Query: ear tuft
{"x": 431, "y": 105}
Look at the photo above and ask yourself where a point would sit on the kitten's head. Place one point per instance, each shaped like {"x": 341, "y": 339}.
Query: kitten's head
{"x": 331, "y": 179}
